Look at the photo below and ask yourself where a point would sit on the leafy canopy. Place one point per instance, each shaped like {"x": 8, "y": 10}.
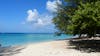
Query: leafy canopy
{"x": 81, "y": 17}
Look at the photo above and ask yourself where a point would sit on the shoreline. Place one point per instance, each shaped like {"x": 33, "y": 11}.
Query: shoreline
{"x": 52, "y": 48}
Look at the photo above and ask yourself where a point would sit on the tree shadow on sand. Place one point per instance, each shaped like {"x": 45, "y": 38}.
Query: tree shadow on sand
{"x": 9, "y": 51}
{"x": 85, "y": 44}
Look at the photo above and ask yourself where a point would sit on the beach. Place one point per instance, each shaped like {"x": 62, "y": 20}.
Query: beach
{"x": 52, "y": 48}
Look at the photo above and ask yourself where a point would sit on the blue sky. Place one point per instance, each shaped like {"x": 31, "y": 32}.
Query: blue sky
{"x": 27, "y": 16}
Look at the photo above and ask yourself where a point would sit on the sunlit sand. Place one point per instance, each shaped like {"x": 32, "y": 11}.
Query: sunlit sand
{"x": 52, "y": 48}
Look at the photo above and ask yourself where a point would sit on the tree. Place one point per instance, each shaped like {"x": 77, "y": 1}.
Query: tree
{"x": 81, "y": 17}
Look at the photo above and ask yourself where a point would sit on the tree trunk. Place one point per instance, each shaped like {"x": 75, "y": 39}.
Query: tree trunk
{"x": 80, "y": 35}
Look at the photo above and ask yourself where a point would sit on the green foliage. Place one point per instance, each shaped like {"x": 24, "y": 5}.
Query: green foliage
{"x": 82, "y": 19}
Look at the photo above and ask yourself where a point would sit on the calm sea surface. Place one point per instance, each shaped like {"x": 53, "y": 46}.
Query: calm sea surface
{"x": 18, "y": 39}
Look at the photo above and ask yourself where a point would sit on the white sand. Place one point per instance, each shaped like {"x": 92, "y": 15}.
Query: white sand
{"x": 53, "y": 48}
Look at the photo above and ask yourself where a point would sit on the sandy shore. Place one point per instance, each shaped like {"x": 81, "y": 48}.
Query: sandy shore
{"x": 52, "y": 48}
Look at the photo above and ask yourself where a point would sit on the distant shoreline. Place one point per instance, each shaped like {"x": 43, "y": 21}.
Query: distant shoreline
{"x": 26, "y": 33}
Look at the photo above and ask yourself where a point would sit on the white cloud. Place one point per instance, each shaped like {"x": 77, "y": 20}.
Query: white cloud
{"x": 43, "y": 20}
{"x": 52, "y": 5}
{"x": 37, "y": 19}
{"x": 40, "y": 22}
{"x": 32, "y": 15}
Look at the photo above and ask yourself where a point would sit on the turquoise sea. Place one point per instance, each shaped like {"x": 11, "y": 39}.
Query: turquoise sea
{"x": 18, "y": 39}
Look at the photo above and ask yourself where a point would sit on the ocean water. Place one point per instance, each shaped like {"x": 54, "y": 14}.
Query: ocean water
{"x": 19, "y": 39}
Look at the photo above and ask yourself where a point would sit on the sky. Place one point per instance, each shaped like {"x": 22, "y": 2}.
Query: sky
{"x": 27, "y": 16}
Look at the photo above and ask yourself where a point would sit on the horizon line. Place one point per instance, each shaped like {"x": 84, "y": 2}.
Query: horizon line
{"x": 26, "y": 33}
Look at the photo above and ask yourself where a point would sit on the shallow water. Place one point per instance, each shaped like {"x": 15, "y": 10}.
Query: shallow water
{"x": 18, "y": 39}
